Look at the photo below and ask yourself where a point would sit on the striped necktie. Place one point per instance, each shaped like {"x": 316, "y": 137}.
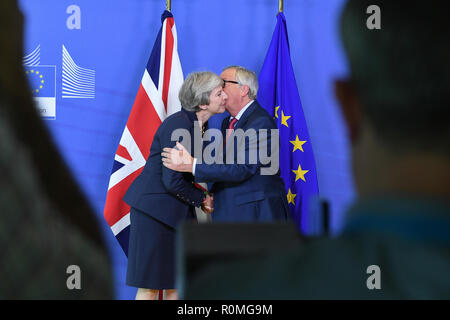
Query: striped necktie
{"x": 231, "y": 127}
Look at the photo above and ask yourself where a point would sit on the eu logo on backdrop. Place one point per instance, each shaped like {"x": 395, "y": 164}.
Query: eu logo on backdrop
{"x": 42, "y": 83}
{"x": 77, "y": 82}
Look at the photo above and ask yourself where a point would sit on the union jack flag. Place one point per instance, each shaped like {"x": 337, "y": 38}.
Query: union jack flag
{"x": 156, "y": 99}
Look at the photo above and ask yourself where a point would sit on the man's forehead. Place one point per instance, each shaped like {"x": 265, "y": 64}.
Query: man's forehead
{"x": 228, "y": 74}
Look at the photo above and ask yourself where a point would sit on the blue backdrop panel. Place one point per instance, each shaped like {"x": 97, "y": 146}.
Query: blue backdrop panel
{"x": 99, "y": 49}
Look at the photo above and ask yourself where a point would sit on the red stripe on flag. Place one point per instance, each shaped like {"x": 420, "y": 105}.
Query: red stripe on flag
{"x": 168, "y": 60}
{"x": 143, "y": 122}
{"x": 115, "y": 207}
{"x": 122, "y": 152}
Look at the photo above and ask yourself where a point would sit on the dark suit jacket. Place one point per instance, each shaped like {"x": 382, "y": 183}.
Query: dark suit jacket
{"x": 241, "y": 193}
{"x": 164, "y": 194}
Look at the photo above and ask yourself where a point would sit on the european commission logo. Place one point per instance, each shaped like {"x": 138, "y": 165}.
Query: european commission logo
{"x": 43, "y": 87}
{"x": 42, "y": 80}
{"x": 77, "y": 82}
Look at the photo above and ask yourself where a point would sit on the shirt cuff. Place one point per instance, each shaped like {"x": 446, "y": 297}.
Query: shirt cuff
{"x": 193, "y": 166}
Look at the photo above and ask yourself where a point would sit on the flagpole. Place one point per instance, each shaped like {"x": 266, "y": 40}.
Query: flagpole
{"x": 280, "y": 6}
{"x": 168, "y": 5}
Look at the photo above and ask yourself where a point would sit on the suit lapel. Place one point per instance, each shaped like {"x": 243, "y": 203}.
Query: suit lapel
{"x": 224, "y": 126}
{"x": 240, "y": 124}
{"x": 244, "y": 118}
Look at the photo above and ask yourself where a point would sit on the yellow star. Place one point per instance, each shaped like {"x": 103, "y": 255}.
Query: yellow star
{"x": 298, "y": 145}
{"x": 299, "y": 173}
{"x": 276, "y": 111}
{"x": 290, "y": 197}
{"x": 284, "y": 119}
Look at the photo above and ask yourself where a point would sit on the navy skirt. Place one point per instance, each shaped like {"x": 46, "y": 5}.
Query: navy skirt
{"x": 151, "y": 253}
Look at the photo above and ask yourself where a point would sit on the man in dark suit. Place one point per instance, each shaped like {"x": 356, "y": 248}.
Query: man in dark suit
{"x": 244, "y": 190}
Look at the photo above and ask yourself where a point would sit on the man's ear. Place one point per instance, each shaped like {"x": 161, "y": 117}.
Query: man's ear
{"x": 350, "y": 106}
{"x": 244, "y": 90}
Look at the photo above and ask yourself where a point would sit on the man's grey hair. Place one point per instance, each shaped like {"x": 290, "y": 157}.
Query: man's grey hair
{"x": 248, "y": 78}
{"x": 197, "y": 88}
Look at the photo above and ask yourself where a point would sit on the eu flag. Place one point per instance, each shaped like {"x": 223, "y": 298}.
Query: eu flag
{"x": 278, "y": 94}
{"x": 42, "y": 80}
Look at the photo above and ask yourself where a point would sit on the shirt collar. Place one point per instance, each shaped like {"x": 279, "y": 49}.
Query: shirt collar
{"x": 240, "y": 113}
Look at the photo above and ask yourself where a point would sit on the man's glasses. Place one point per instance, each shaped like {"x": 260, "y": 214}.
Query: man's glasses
{"x": 230, "y": 81}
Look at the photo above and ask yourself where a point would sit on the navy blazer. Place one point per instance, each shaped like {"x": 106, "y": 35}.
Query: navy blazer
{"x": 164, "y": 194}
{"x": 241, "y": 193}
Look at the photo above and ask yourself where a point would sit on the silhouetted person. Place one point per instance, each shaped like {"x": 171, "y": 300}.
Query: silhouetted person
{"x": 46, "y": 224}
{"x": 396, "y": 243}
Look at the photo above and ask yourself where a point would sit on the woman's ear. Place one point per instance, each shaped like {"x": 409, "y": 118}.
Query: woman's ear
{"x": 203, "y": 106}
{"x": 350, "y": 106}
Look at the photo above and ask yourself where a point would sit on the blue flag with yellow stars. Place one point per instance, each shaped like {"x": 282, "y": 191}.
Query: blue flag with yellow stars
{"x": 278, "y": 94}
{"x": 42, "y": 80}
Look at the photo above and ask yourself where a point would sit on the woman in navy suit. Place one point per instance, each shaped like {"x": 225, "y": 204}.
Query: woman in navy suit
{"x": 161, "y": 199}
